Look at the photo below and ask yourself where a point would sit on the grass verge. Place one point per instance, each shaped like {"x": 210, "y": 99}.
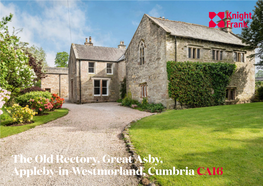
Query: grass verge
{"x": 223, "y": 136}
{"x": 38, "y": 120}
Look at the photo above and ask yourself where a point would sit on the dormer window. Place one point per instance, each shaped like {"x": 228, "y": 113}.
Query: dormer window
{"x": 142, "y": 60}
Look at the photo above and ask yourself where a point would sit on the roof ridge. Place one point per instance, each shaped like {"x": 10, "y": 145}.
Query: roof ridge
{"x": 184, "y": 22}
{"x": 100, "y": 46}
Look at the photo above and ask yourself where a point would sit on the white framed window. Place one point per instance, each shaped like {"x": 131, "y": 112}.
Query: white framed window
{"x": 91, "y": 68}
{"x": 101, "y": 87}
{"x": 194, "y": 53}
{"x": 109, "y": 68}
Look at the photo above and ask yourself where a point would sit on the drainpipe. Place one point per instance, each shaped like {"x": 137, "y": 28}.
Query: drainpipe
{"x": 80, "y": 82}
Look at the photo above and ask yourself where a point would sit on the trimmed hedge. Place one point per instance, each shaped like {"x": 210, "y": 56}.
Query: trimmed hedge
{"x": 23, "y": 100}
{"x": 199, "y": 84}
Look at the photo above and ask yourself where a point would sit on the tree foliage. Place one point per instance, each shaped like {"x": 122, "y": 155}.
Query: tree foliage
{"x": 14, "y": 67}
{"x": 61, "y": 59}
{"x": 199, "y": 84}
{"x": 259, "y": 73}
{"x": 253, "y": 34}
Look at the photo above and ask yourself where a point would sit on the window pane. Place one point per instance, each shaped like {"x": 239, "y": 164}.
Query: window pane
{"x": 242, "y": 57}
{"x": 91, "y": 70}
{"x": 104, "y": 83}
{"x": 96, "y": 83}
{"x": 96, "y": 91}
{"x": 109, "y": 68}
{"x": 194, "y": 52}
{"x": 221, "y": 55}
{"x": 198, "y": 53}
{"x": 91, "y": 64}
{"x": 213, "y": 54}
{"x": 235, "y": 56}
{"x": 145, "y": 94}
{"x": 189, "y": 52}
{"x": 104, "y": 91}
{"x": 217, "y": 53}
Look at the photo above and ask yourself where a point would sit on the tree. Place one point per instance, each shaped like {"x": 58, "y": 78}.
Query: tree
{"x": 259, "y": 73}
{"x": 39, "y": 54}
{"x": 61, "y": 59}
{"x": 253, "y": 34}
{"x": 14, "y": 67}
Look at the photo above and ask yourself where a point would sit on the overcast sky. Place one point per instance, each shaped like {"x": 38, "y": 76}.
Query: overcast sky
{"x": 54, "y": 25}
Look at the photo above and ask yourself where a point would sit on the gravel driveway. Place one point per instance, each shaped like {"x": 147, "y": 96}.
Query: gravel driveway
{"x": 89, "y": 130}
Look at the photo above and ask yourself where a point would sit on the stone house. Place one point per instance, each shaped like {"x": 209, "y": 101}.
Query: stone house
{"x": 95, "y": 72}
{"x": 56, "y": 81}
{"x": 156, "y": 41}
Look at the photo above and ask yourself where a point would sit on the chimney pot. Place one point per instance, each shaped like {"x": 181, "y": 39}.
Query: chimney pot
{"x": 88, "y": 43}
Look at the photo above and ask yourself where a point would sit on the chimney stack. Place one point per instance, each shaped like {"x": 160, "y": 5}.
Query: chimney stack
{"x": 121, "y": 45}
{"x": 88, "y": 43}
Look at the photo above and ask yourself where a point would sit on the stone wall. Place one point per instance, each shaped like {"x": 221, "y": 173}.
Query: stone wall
{"x": 244, "y": 76}
{"x": 87, "y": 80}
{"x": 56, "y": 81}
{"x": 153, "y": 72}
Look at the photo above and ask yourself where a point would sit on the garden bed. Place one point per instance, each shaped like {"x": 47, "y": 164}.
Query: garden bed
{"x": 6, "y": 130}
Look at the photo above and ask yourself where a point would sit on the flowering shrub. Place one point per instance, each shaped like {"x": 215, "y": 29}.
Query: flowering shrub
{"x": 40, "y": 104}
{"x": 23, "y": 100}
{"x": 21, "y": 114}
{"x": 56, "y": 101}
{"x": 4, "y": 96}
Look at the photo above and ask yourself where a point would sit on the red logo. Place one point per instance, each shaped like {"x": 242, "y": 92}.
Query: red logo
{"x": 221, "y": 23}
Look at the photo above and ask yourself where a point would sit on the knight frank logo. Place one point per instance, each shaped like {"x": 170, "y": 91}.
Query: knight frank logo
{"x": 226, "y": 18}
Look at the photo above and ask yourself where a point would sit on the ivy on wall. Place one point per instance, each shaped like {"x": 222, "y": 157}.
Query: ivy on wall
{"x": 198, "y": 84}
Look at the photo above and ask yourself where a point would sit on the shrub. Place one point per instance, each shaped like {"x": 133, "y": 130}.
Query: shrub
{"x": 4, "y": 96}
{"x": 56, "y": 101}
{"x": 23, "y": 100}
{"x": 123, "y": 88}
{"x": 144, "y": 103}
{"x": 260, "y": 93}
{"x": 21, "y": 114}
{"x": 119, "y": 101}
{"x": 127, "y": 101}
{"x": 31, "y": 89}
{"x": 155, "y": 107}
{"x": 40, "y": 105}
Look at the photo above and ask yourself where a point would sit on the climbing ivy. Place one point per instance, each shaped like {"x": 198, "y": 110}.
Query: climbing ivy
{"x": 198, "y": 84}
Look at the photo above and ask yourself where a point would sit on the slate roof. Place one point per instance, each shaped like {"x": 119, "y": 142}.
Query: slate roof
{"x": 98, "y": 53}
{"x": 259, "y": 78}
{"x": 178, "y": 28}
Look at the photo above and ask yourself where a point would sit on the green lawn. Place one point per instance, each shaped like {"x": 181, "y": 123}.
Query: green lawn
{"x": 38, "y": 120}
{"x": 223, "y": 136}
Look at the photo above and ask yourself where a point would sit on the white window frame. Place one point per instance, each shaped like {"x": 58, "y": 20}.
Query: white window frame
{"x": 111, "y": 69}
{"x": 94, "y": 68}
{"x": 100, "y": 79}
